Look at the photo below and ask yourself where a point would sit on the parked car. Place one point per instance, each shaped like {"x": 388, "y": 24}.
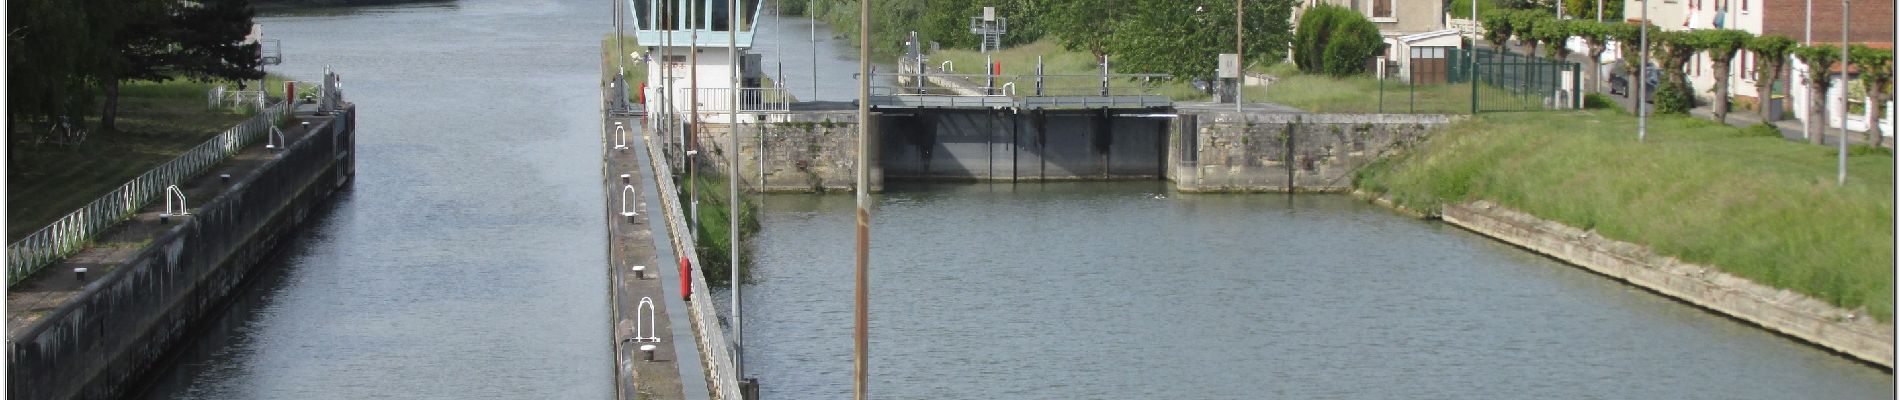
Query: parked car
{"x": 1620, "y": 83}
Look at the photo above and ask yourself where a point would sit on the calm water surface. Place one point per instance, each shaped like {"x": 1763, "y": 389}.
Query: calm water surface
{"x": 1127, "y": 291}
{"x": 466, "y": 261}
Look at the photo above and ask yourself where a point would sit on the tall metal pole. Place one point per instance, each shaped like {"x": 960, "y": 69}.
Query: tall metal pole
{"x": 861, "y": 353}
{"x": 732, "y": 190}
{"x": 692, "y": 166}
{"x": 814, "y": 48}
{"x": 1841, "y": 178}
{"x": 1807, "y": 38}
{"x": 1240, "y": 58}
{"x": 1599, "y": 11}
{"x": 1642, "y": 77}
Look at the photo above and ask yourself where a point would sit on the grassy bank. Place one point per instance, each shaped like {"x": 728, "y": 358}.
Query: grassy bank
{"x": 1755, "y": 206}
{"x": 1021, "y": 60}
{"x": 712, "y": 239}
{"x": 157, "y": 122}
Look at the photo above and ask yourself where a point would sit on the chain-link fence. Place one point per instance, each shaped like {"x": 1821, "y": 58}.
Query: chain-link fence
{"x": 1517, "y": 82}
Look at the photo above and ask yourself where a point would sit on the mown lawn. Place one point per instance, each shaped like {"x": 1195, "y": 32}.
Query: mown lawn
{"x": 1759, "y": 207}
{"x": 1021, "y": 61}
{"x": 157, "y": 122}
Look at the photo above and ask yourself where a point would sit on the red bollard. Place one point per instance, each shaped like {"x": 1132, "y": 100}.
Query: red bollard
{"x": 686, "y": 280}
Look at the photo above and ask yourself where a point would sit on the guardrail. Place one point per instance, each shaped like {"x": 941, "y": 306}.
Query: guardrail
{"x": 716, "y": 353}
{"x": 70, "y": 233}
{"x": 719, "y": 100}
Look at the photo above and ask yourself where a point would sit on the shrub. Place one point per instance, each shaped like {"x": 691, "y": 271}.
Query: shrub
{"x": 1354, "y": 40}
{"x": 1310, "y": 37}
{"x": 1335, "y": 40}
{"x": 1672, "y": 99}
{"x": 1598, "y": 100}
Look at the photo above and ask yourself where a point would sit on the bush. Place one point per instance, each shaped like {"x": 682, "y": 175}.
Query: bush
{"x": 1310, "y": 37}
{"x": 1672, "y": 99}
{"x": 1335, "y": 40}
{"x": 1599, "y": 100}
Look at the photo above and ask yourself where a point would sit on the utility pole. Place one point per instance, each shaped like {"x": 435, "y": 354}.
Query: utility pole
{"x": 814, "y": 48}
{"x": 1642, "y": 77}
{"x": 1841, "y": 178}
{"x": 692, "y": 164}
{"x": 861, "y": 354}
{"x": 1240, "y": 36}
{"x": 732, "y": 189}
{"x": 1599, "y": 10}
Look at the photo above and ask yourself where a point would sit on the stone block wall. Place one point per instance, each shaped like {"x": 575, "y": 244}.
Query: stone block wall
{"x": 1226, "y": 152}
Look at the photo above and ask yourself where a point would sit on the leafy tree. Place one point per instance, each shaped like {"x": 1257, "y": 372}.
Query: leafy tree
{"x": 161, "y": 40}
{"x": 1587, "y": 10}
{"x": 1771, "y": 52}
{"x": 1497, "y": 27}
{"x": 1820, "y": 61}
{"x": 1315, "y": 29}
{"x": 1086, "y": 25}
{"x": 1553, "y": 33}
{"x": 1182, "y": 38}
{"x": 1597, "y": 37}
{"x": 1524, "y": 24}
{"x": 1722, "y": 45}
{"x": 1876, "y": 72}
{"x": 47, "y": 61}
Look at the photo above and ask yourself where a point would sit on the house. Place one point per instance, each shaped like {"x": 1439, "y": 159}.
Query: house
{"x": 1871, "y": 25}
{"x": 1412, "y": 29}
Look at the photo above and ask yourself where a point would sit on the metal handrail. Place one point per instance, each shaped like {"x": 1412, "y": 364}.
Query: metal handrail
{"x": 720, "y": 371}
{"x": 70, "y": 233}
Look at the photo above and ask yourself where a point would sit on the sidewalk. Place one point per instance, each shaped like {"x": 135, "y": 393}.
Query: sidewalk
{"x": 53, "y": 285}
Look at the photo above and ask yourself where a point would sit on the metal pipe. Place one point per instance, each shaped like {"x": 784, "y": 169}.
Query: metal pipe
{"x": 860, "y": 356}
{"x": 732, "y": 187}
{"x": 1841, "y": 178}
{"x": 1642, "y": 76}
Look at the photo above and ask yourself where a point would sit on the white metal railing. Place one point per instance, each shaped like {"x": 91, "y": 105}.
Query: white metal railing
{"x": 716, "y": 350}
{"x": 70, "y": 233}
{"x": 717, "y": 100}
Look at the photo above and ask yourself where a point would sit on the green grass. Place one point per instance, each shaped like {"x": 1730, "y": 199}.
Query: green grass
{"x": 636, "y": 72}
{"x": 157, "y": 122}
{"x": 1758, "y": 207}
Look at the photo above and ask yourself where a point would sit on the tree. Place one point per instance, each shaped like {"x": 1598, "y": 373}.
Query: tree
{"x": 1722, "y": 45}
{"x": 1673, "y": 49}
{"x": 47, "y": 61}
{"x": 1820, "y": 61}
{"x": 161, "y": 40}
{"x": 1524, "y": 23}
{"x": 1182, "y": 38}
{"x": 1309, "y": 38}
{"x": 1876, "y": 73}
{"x": 1554, "y": 33}
{"x": 1085, "y": 24}
{"x": 1587, "y": 10}
{"x": 1629, "y": 37}
{"x": 1597, "y": 37}
{"x": 1353, "y": 42}
{"x": 1771, "y": 53}
{"x": 1497, "y": 27}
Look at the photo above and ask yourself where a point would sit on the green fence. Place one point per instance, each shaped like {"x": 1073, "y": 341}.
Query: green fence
{"x": 1509, "y": 81}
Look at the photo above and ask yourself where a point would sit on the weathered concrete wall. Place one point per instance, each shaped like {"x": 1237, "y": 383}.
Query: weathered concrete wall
{"x": 98, "y": 343}
{"x": 1001, "y": 145}
{"x": 1779, "y": 310}
{"x": 804, "y": 152}
{"x": 1285, "y": 152}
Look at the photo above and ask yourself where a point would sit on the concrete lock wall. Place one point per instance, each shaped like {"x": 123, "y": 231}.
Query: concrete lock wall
{"x": 1004, "y": 145}
{"x": 804, "y": 152}
{"x": 96, "y": 345}
{"x": 1285, "y": 152}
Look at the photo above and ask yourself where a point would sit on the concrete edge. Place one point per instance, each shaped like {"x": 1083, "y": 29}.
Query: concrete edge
{"x": 1779, "y": 310}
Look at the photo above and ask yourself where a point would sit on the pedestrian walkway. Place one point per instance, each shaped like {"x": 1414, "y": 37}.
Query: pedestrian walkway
{"x": 46, "y": 290}
{"x": 640, "y": 298}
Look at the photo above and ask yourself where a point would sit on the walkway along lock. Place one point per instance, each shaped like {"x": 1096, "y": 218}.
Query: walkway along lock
{"x": 627, "y": 196}
{"x": 173, "y": 193}
{"x": 645, "y": 310}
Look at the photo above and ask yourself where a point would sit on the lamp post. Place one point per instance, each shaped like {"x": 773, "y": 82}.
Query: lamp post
{"x": 1841, "y": 178}
{"x": 861, "y": 365}
{"x": 732, "y": 187}
{"x": 1240, "y": 58}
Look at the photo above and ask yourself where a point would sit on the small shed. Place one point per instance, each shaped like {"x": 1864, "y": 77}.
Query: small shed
{"x": 1425, "y": 58}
